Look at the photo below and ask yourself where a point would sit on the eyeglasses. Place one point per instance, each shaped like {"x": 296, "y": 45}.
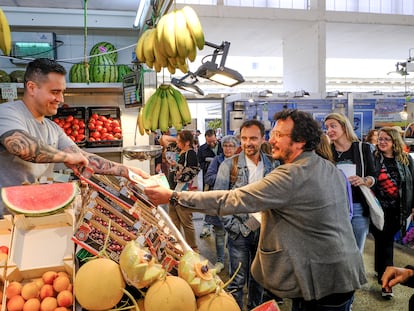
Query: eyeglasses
{"x": 384, "y": 139}
{"x": 228, "y": 146}
{"x": 276, "y": 134}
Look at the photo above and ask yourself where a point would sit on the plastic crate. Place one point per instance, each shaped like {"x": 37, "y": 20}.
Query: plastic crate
{"x": 63, "y": 118}
{"x": 96, "y": 115}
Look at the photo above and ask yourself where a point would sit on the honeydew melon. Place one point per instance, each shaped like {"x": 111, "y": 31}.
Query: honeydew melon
{"x": 38, "y": 199}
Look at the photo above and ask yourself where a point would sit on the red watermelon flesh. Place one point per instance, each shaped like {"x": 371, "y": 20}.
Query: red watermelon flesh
{"x": 38, "y": 199}
{"x": 270, "y": 305}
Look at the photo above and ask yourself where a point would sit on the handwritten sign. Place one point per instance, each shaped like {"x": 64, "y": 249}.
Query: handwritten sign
{"x": 8, "y": 91}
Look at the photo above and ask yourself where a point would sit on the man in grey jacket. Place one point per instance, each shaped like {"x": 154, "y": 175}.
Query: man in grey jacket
{"x": 307, "y": 250}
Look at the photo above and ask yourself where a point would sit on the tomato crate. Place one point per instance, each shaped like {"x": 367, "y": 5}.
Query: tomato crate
{"x": 72, "y": 120}
{"x": 103, "y": 127}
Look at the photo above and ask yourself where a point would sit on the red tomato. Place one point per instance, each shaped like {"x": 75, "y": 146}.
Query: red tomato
{"x": 97, "y": 122}
{"x": 118, "y": 135}
{"x": 81, "y": 131}
{"x": 95, "y": 116}
{"x": 67, "y": 125}
{"x": 109, "y": 129}
{"x": 80, "y": 137}
{"x": 75, "y": 121}
{"x": 56, "y": 120}
{"x": 96, "y": 134}
{"x": 98, "y": 128}
{"x": 115, "y": 123}
{"x": 91, "y": 139}
{"x": 82, "y": 124}
{"x": 109, "y": 137}
{"x": 103, "y": 118}
{"x": 75, "y": 127}
{"x": 72, "y": 137}
{"x": 69, "y": 118}
{"x": 104, "y": 130}
{"x": 4, "y": 249}
{"x": 75, "y": 133}
{"x": 91, "y": 126}
{"x": 68, "y": 131}
{"x": 117, "y": 129}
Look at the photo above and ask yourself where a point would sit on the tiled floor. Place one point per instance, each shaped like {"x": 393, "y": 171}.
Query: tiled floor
{"x": 366, "y": 299}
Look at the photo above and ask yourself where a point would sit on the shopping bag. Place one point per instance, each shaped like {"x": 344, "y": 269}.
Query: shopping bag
{"x": 375, "y": 209}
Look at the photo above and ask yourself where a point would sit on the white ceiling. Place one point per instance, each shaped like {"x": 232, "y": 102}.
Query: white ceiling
{"x": 259, "y": 33}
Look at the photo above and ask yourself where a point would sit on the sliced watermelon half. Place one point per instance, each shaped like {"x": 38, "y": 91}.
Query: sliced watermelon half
{"x": 38, "y": 199}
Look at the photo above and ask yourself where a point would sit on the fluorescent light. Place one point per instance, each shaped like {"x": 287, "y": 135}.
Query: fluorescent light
{"x": 222, "y": 75}
{"x": 142, "y": 5}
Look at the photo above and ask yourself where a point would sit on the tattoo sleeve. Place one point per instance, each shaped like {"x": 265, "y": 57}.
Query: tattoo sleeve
{"x": 29, "y": 148}
{"x": 104, "y": 166}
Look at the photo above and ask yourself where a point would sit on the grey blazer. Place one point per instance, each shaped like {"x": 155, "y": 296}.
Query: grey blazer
{"x": 307, "y": 247}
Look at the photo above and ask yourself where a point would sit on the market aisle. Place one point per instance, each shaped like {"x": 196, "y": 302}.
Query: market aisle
{"x": 366, "y": 299}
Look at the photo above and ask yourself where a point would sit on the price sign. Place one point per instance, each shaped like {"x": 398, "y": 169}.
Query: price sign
{"x": 8, "y": 91}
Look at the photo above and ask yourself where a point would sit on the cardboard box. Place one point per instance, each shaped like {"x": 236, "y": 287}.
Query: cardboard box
{"x": 41, "y": 242}
{"x": 38, "y": 245}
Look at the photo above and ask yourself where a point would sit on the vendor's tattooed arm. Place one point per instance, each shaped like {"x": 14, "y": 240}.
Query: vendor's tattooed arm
{"x": 29, "y": 148}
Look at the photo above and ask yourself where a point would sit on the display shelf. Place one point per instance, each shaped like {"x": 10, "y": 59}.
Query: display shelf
{"x": 83, "y": 88}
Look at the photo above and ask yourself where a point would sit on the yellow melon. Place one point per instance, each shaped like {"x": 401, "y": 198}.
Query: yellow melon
{"x": 170, "y": 294}
{"x": 99, "y": 284}
{"x": 217, "y": 302}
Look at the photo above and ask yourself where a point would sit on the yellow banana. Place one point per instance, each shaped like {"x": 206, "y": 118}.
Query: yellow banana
{"x": 194, "y": 26}
{"x": 175, "y": 115}
{"x": 183, "y": 68}
{"x": 181, "y": 33}
{"x": 159, "y": 53}
{"x": 140, "y": 123}
{"x": 155, "y": 114}
{"x": 168, "y": 35}
{"x": 5, "y": 35}
{"x": 182, "y": 106}
{"x": 192, "y": 50}
{"x": 139, "y": 49}
{"x": 149, "y": 45}
{"x": 164, "y": 112}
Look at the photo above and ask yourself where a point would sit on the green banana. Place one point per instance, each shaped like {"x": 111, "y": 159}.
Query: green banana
{"x": 156, "y": 110}
{"x": 182, "y": 106}
{"x": 164, "y": 112}
{"x": 147, "y": 113}
{"x": 175, "y": 115}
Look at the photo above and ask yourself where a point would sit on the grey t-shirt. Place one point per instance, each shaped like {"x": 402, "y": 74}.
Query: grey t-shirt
{"x": 13, "y": 170}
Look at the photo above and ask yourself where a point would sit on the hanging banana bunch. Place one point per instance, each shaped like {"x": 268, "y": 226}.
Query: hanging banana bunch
{"x": 175, "y": 39}
{"x": 5, "y": 35}
{"x": 166, "y": 108}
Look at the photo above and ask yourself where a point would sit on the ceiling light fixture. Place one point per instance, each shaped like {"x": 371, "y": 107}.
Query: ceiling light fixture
{"x": 219, "y": 73}
{"x": 190, "y": 87}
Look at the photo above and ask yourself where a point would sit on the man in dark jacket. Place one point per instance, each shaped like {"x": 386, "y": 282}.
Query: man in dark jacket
{"x": 206, "y": 154}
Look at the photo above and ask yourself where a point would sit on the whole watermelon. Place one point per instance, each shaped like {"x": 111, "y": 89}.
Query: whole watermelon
{"x": 17, "y": 76}
{"x": 4, "y": 77}
{"x": 103, "y": 69}
{"x": 104, "y": 47}
{"x": 77, "y": 73}
{"x": 122, "y": 71}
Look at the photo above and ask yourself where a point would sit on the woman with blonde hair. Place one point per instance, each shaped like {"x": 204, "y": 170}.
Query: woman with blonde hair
{"x": 346, "y": 150}
{"x": 394, "y": 190}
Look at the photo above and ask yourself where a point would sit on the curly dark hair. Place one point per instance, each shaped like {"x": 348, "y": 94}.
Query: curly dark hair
{"x": 38, "y": 69}
{"x": 305, "y": 128}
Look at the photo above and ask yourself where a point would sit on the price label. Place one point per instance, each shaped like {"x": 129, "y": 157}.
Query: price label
{"x": 8, "y": 91}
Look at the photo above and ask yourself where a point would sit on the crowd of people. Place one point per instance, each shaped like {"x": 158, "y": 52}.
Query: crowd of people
{"x": 286, "y": 208}
{"x": 273, "y": 194}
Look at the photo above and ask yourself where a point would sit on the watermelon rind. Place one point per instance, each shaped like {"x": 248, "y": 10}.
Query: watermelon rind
{"x": 39, "y": 199}
{"x": 103, "y": 69}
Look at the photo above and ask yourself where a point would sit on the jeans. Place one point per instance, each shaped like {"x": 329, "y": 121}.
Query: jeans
{"x": 315, "y": 305}
{"x": 220, "y": 237}
{"x": 360, "y": 226}
{"x": 243, "y": 250}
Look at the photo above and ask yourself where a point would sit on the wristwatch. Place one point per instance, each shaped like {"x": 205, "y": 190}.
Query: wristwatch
{"x": 174, "y": 197}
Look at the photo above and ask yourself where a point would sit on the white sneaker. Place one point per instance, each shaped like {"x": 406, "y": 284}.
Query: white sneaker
{"x": 218, "y": 266}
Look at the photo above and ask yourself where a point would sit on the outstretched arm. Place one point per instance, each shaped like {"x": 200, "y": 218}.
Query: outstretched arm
{"x": 393, "y": 276}
{"x": 29, "y": 148}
